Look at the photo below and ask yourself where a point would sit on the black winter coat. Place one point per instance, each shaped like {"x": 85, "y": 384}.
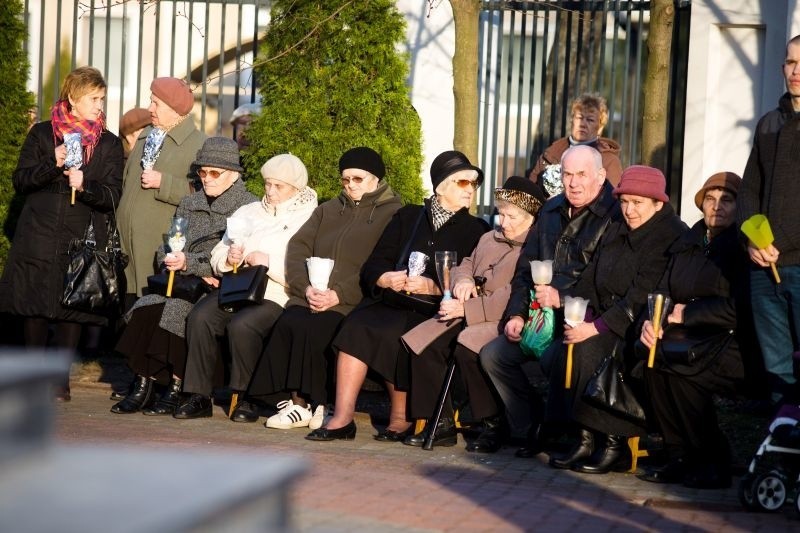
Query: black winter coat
{"x": 460, "y": 233}
{"x": 570, "y": 243}
{"x": 33, "y": 279}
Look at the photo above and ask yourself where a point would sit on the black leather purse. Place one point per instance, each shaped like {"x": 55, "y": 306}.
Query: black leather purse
{"x": 184, "y": 286}
{"x": 687, "y": 351}
{"x": 607, "y": 390}
{"x": 95, "y": 277}
{"x": 245, "y": 287}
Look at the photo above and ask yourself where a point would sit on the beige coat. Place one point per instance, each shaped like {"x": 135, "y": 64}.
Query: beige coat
{"x": 494, "y": 258}
{"x": 144, "y": 215}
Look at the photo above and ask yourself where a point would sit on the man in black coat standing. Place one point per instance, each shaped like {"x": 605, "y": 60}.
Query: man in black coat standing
{"x": 568, "y": 230}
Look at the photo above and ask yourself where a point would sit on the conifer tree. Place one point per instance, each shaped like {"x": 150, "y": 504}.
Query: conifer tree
{"x": 15, "y": 104}
{"x": 332, "y": 78}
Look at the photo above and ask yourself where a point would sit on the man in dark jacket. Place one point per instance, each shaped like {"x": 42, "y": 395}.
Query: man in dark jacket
{"x": 568, "y": 230}
{"x": 771, "y": 186}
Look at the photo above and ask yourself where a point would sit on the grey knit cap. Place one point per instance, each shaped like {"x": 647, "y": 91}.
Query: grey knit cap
{"x": 219, "y": 152}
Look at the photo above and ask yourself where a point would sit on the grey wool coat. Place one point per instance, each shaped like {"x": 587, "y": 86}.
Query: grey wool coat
{"x": 207, "y": 225}
{"x": 144, "y": 215}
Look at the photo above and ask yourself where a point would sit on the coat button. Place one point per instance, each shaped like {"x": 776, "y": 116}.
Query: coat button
{"x": 430, "y": 243}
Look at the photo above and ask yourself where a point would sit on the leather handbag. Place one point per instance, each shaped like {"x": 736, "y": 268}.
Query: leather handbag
{"x": 184, "y": 286}
{"x": 687, "y": 351}
{"x": 95, "y": 277}
{"x": 607, "y": 390}
{"x": 245, "y": 287}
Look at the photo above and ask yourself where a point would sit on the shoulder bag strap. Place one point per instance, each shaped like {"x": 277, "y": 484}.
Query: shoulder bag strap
{"x": 401, "y": 262}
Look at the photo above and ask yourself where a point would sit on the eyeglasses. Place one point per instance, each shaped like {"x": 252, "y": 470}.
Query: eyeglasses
{"x": 355, "y": 179}
{"x": 213, "y": 174}
{"x": 465, "y": 183}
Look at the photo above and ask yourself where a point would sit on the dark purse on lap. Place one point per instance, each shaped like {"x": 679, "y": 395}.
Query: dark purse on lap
{"x": 607, "y": 390}
{"x": 245, "y": 287}
{"x": 185, "y": 287}
{"x": 692, "y": 348}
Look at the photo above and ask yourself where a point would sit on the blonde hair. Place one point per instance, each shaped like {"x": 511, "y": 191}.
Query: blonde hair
{"x": 81, "y": 81}
{"x": 592, "y": 101}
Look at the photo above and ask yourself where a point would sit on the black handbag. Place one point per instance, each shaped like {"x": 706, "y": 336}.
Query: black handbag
{"x": 687, "y": 350}
{"x": 607, "y": 390}
{"x": 95, "y": 278}
{"x": 245, "y": 287}
{"x": 423, "y": 304}
{"x": 184, "y": 286}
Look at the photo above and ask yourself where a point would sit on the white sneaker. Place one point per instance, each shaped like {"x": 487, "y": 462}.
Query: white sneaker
{"x": 289, "y": 416}
{"x": 318, "y": 418}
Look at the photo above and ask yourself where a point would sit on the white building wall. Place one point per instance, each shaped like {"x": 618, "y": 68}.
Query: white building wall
{"x": 736, "y": 50}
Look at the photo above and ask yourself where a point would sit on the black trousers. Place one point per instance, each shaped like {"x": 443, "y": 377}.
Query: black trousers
{"x": 246, "y": 331}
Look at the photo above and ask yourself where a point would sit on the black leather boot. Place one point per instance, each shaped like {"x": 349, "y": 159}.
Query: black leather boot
{"x": 606, "y": 458}
{"x": 492, "y": 437}
{"x": 583, "y": 449}
{"x": 168, "y": 402}
{"x": 446, "y": 434}
{"x": 141, "y": 396}
{"x": 533, "y": 444}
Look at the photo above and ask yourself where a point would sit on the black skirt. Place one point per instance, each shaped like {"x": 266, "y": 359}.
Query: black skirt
{"x": 152, "y": 351}
{"x": 372, "y": 334}
{"x": 298, "y": 356}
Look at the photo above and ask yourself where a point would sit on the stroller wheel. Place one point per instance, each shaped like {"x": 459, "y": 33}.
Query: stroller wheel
{"x": 746, "y": 493}
{"x": 769, "y": 491}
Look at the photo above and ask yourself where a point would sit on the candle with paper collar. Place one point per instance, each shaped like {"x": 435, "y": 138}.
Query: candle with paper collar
{"x": 574, "y": 313}
{"x": 176, "y": 240}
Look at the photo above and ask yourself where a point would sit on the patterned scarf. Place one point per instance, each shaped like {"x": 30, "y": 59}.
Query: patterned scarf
{"x": 439, "y": 214}
{"x": 64, "y": 121}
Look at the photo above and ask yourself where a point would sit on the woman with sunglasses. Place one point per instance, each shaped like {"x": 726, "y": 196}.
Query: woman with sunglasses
{"x": 344, "y": 229}
{"x": 154, "y": 340}
{"x": 370, "y": 336}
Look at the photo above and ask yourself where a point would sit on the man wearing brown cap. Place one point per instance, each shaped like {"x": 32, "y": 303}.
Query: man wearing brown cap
{"x": 153, "y": 188}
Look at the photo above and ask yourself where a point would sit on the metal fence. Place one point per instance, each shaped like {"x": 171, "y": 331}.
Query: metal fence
{"x": 210, "y": 43}
{"x": 536, "y": 56}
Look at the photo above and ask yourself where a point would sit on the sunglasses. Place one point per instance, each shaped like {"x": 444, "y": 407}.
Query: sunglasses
{"x": 355, "y": 179}
{"x": 465, "y": 183}
{"x": 213, "y": 174}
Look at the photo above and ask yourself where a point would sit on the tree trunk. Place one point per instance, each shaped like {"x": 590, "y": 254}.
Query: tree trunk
{"x": 656, "y": 83}
{"x": 466, "y": 16}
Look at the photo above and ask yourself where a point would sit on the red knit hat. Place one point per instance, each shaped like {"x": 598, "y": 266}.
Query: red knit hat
{"x": 643, "y": 181}
{"x": 175, "y": 93}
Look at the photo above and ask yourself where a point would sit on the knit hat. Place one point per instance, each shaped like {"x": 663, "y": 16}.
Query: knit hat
{"x": 448, "y": 163}
{"x": 365, "y": 159}
{"x": 286, "y": 168}
{"x": 134, "y": 119}
{"x": 721, "y": 180}
{"x": 521, "y": 192}
{"x": 175, "y": 93}
{"x": 219, "y": 152}
{"x": 643, "y": 181}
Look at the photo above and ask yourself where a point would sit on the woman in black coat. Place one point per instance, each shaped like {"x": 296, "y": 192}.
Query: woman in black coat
{"x": 33, "y": 279}
{"x": 370, "y": 336}
{"x": 628, "y": 264}
{"x": 707, "y": 280}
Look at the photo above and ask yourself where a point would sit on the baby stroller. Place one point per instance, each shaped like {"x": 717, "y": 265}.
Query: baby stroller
{"x": 773, "y": 475}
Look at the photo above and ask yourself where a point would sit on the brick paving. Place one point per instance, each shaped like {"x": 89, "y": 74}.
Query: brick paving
{"x": 365, "y": 485}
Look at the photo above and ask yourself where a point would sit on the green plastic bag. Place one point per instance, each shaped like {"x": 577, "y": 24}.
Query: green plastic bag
{"x": 537, "y": 333}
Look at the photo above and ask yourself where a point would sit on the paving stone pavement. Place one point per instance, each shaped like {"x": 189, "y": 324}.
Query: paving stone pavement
{"x": 365, "y": 485}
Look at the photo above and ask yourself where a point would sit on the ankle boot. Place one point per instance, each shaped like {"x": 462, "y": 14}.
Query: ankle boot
{"x": 583, "y": 449}
{"x": 607, "y": 458}
{"x": 446, "y": 434}
{"x": 491, "y": 438}
{"x": 168, "y": 402}
{"x": 533, "y": 444}
{"x": 140, "y": 396}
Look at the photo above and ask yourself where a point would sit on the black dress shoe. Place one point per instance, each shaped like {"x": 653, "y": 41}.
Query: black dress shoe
{"x": 607, "y": 459}
{"x": 117, "y": 396}
{"x": 446, "y": 434}
{"x": 388, "y": 435}
{"x": 323, "y": 434}
{"x": 672, "y": 472}
{"x": 491, "y": 438}
{"x": 245, "y": 412}
{"x": 141, "y": 396}
{"x": 168, "y": 402}
{"x": 533, "y": 445}
{"x": 583, "y": 449}
{"x": 197, "y": 406}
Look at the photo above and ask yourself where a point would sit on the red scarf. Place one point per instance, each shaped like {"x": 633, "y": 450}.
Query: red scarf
{"x": 64, "y": 121}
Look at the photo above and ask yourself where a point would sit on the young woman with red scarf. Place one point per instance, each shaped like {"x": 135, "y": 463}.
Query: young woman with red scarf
{"x": 33, "y": 279}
